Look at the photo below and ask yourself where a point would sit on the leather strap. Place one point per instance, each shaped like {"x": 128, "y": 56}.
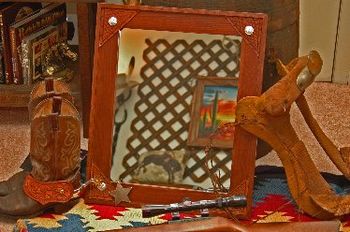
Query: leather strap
{"x": 51, "y": 191}
{"x": 49, "y": 85}
{"x": 56, "y": 104}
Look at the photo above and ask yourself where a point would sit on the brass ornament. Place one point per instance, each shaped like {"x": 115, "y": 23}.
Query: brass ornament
{"x": 57, "y": 62}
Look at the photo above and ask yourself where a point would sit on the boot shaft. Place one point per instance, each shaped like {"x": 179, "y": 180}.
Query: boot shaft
{"x": 47, "y": 89}
{"x": 55, "y": 140}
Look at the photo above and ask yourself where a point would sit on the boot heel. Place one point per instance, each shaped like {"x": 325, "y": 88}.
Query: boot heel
{"x": 64, "y": 207}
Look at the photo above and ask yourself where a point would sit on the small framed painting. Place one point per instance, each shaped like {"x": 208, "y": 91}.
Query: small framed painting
{"x": 213, "y": 104}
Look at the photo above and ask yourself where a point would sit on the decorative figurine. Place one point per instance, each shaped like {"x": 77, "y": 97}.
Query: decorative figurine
{"x": 57, "y": 60}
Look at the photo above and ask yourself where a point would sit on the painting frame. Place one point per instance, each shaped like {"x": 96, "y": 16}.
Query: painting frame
{"x": 194, "y": 138}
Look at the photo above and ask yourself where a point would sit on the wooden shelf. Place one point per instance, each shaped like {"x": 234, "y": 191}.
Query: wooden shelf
{"x": 14, "y": 95}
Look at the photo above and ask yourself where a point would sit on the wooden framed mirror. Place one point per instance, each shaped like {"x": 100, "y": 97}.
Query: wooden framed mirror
{"x": 147, "y": 46}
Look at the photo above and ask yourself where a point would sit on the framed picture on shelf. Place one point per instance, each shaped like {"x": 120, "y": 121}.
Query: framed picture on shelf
{"x": 213, "y": 104}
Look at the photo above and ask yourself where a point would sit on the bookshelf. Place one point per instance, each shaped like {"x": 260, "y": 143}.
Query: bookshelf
{"x": 18, "y": 96}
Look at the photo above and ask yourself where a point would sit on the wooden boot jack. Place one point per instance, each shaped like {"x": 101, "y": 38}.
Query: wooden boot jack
{"x": 340, "y": 157}
{"x": 268, "y": 118}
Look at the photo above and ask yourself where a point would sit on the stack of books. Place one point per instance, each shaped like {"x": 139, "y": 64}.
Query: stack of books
{"x": 27, "y": 32}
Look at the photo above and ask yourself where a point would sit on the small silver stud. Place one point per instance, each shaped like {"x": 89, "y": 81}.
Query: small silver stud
{"x": 249, "y": 30}
{"x": 62, "y": 191}
{"x": 112, "y": 21}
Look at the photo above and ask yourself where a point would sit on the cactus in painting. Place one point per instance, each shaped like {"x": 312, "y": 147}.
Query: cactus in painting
{"x": 215, "y": 110}
{"x": 204, "y": 122}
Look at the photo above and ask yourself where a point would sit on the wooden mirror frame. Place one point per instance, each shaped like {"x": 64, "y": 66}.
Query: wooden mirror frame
{"x": 103, "y": 94}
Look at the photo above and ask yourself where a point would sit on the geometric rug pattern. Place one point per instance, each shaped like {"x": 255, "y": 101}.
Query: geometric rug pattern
{"x": 272, "y": 203}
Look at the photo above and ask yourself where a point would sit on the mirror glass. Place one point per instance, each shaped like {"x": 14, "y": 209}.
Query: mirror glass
{"x": 173, "y": 91}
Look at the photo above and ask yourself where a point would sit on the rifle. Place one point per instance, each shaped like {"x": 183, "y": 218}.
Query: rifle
{"x": 187, "y": 205}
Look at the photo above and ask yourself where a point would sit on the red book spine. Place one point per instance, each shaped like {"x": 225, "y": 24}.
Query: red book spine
{"x": 15, "y": 13}
{"x": 16, "y": 68}
{"x": 2, "y": 67}
{"x": 6, "y": 55}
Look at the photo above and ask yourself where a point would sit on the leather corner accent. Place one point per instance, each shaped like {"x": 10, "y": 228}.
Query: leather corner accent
{"x": 253, "y": 40}
{"x": 97, "y": 174}
{"x": 240, "y": 188}
{"x": 107, "y": 31}
{"x": 48, "y": 192}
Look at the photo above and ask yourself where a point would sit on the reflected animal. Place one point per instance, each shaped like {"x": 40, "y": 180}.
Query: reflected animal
{"x": 166, "y": 160}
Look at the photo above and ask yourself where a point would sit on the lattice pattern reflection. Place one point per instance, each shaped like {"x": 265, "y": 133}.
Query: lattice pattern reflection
{"x": 163, "y": 111}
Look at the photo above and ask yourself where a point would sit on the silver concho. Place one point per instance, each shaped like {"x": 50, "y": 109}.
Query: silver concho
{"x": 112, "y": 21}
{"x": 249, "y": 30}
{"x": 305, "y": 79}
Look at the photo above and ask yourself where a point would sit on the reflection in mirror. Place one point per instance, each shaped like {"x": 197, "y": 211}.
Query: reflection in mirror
{"x": 173, "y": 90}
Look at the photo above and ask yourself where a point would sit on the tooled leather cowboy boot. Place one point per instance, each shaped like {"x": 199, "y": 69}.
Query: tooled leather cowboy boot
{"x": 12, "y": 184}
{"x": 43, "y": 90}
{"x": 55, "y": 156}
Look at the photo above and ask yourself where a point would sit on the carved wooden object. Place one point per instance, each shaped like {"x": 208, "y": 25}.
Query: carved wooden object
{"x": 268, "y": 118}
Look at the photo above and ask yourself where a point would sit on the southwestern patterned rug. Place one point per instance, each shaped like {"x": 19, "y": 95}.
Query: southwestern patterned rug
{"x": 272, "y": 203}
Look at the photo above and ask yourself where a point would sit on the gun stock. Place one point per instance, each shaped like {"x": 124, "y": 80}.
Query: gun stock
{"x": 219, "y": 224}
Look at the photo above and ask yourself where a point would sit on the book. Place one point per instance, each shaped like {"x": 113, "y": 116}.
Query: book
{"x": 39, "y": 50}
{"x": 27, "y": 49}
{"x": 2, "y": 67}
{"x": 53, "y": 14}
{"x": 27, "y": 52}
{"x": 10, "y": 14}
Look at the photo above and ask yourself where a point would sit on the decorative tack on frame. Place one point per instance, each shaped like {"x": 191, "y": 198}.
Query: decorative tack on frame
{"x": 105, "y": 182}
{"x": 250, "y": 29}
{"x": 112, "y": 22}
